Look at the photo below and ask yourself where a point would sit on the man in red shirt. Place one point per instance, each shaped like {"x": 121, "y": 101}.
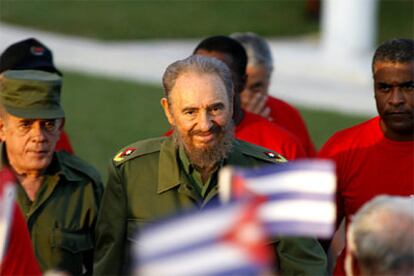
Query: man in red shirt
{"x": 249, "y": 127}
{"x": 32, "y": 54}
{"x": 377, "y": 156}
{"x": 255, "y": 98}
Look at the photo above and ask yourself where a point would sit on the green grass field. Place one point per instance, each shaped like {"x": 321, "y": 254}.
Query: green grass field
{"x": 159, "y": 19}
{"x": 104, "y": 115}
{"x": 128, "y": 20}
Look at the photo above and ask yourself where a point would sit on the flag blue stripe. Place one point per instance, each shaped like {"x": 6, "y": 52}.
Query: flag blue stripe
{"x": 300, "y": 196}
{"x": 246, "y": 269}
{"x": 176, "y": 251}
{"x": 299, "y": 228}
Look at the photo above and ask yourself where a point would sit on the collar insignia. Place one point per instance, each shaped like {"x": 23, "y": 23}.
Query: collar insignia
{"x": 123, "y": 154}
{"x": 276, "y": 156}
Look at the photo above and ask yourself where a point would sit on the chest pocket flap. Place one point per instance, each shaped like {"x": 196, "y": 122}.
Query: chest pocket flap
{"x": 73, "y": 242}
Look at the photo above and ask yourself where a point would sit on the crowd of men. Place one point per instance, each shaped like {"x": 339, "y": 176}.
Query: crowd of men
{"x": 216, "y": 101}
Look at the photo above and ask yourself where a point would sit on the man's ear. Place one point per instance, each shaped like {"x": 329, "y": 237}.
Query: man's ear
{"x": 352, "y": 267}
{"x": 166, "y": 106}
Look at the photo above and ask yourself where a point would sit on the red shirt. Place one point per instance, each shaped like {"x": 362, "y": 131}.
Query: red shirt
{"x": 63, "y": 143}
{"x": 19, "y": 258}
{"x": 290, "y": 119}
{"x": 257, "y": 130}
{"x": 368, "y": 164}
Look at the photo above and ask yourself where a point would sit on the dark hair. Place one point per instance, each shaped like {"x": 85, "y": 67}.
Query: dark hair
{"x": 231, "y": 47}
{"x": 400, "y": 50}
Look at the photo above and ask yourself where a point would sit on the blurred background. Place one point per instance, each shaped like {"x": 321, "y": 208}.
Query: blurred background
{"x": 113, "y": 54}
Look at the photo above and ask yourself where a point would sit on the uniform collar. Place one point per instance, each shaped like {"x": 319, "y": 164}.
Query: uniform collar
{"x": 59, "y": 161}
{"x": 185, "y": 162}
{"x": 234, "y": 156}
{"x": 168, "y": 168}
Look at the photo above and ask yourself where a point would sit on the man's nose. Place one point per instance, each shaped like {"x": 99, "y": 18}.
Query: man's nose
{"x": 204, "y": 121}
{"x": 38, "y": 132}
{"x": 396, "y": 97}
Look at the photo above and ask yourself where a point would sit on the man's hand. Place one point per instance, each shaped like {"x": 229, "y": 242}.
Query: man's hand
{"x": 256, "y": 103}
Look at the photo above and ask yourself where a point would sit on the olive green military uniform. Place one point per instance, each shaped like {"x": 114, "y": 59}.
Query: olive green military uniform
{"x": 61, "y": 220}
{"x": 147, "y": 181}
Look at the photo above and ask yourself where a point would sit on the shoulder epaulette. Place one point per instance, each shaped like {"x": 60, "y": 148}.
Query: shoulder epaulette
{"x": 260, "y": 152}
{"x": 138, "y": 149}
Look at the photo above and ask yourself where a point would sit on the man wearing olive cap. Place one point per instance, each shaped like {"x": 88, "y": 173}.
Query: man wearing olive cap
{"x": 32, "y": 54}
{"x": 58, "y": 193}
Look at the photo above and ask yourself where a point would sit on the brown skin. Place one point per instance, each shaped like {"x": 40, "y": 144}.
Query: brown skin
{"x": 237, "y": 83}
{"x": 394, "y": 96}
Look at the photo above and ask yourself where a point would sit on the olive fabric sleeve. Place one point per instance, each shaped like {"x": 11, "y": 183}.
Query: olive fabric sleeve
{"x": 300, "y": 256}
{"x": 111, "y": 227}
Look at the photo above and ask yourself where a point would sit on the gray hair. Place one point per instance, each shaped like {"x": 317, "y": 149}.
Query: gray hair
{"x": 382, "y": 236}
{"x": 201, "y": 65}
{"x": 257, "y": 49}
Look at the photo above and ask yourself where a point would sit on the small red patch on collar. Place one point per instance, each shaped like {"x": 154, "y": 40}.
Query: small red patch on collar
{"x": 127, "y": 152}
{"x": 124, "y": 154}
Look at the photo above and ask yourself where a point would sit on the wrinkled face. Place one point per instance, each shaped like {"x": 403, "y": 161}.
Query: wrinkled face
{"x": 394, "y": 95}
{"x": 257, "y": 82}
{"x": 228, "y": 60}
{"x": 30, "y": 143}
{"x": 200, "y": 112}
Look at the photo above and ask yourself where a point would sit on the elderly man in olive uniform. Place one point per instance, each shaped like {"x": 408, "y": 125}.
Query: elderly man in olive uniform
{"x": 158, "y": 177}
{"x": 58, "y": 193}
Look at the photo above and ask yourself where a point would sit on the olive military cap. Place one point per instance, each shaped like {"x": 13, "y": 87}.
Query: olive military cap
{"x": 31, "y": 94}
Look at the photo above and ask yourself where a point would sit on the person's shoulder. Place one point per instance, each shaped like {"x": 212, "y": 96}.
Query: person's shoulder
{"x": 255, "y": 122}
{"x": 139, "y": 149}
{"x": 361, "y": 134}
{"x": 257, "y": 152}
{"x": 280, "y": 106}
{"x": 271, "y": 129}
{"x": 279, "y": 103}
{"x": 73, "y": 165}
{"x": 360, "y": 131}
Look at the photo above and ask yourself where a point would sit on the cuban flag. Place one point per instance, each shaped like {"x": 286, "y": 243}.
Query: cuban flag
{"x": 300, "y": 195}
{"x": 224, "y": 240}
{"x": 7, "y": 195}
